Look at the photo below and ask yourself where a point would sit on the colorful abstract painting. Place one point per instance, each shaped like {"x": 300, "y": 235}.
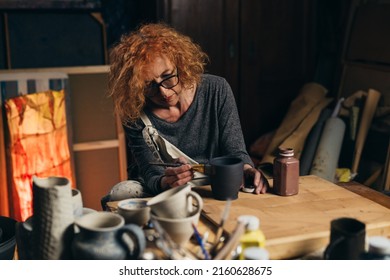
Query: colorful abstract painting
{"x": 38, "y": 144}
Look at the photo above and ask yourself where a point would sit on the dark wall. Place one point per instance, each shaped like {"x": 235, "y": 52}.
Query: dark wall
{"x": 265, "y": 49}
{"x": 122, "y": 16}
{"x": 52, "y": 39}
{"x": 66, "y": 33}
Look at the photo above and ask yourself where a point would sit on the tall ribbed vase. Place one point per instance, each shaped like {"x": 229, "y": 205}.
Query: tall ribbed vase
{"x": 53, "y": 218}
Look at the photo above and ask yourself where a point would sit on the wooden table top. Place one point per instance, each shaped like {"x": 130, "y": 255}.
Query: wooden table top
{"x": 298, "y": 225}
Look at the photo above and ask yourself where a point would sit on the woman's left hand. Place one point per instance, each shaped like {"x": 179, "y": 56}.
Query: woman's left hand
{"x": 256, "y": 179}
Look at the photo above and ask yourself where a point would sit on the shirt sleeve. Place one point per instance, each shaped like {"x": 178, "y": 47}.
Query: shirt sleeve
{"x": 230, "y": 132}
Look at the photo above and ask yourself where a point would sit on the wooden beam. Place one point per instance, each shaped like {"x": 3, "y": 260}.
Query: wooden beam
{"x": 95, "y": 145}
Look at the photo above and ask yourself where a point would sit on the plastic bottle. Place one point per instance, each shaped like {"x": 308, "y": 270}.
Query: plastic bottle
{"x": 256, "y": 253}
{"x": 286, "y": 173}
{"x": 253, "y": 236}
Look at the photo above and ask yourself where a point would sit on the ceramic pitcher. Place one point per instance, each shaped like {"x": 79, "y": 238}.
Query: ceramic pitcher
{"x": 104, "y": 236}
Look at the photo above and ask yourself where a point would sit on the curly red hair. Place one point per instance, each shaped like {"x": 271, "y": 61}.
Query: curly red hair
{"x": 135, "y": 51}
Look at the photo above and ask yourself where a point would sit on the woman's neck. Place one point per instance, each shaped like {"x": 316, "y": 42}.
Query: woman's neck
{"x": 174, "y": 113}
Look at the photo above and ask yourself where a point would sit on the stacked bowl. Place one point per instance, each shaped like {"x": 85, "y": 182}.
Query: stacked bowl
{"x": 175, "y": 211}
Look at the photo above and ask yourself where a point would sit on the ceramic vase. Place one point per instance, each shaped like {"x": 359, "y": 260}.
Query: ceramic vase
{"x": 53, "y": 218}
{"x": 104, "y": 236}
{"x": 77, "y": 201}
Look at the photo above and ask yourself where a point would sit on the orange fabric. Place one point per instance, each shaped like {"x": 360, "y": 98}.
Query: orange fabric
{"x": 38, "y": 144}
{"x": 4, "y": 205}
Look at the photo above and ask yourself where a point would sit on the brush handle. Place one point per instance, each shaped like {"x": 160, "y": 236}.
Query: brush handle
{"x": 164, "y": 164}
{"x": 196, "y": 167}
{"x": 232, "y": 243}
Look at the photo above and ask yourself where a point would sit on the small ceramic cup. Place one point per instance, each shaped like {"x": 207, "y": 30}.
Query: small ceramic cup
{"x": 179, "y": 230}
{"x": 175, "y": 203}
{"x": 134, "y": 211}
{"x": 347, "y": 239}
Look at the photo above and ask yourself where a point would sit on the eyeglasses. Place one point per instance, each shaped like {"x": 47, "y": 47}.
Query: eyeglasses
{"x": 167, "y": 83}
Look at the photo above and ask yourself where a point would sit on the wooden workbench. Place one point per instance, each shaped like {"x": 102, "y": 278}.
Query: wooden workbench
{"x": 298, "y": 225}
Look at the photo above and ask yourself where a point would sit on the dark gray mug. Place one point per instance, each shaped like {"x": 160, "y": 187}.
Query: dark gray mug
{"x": 226, "y": 177}
{"x": 347, "y": 239}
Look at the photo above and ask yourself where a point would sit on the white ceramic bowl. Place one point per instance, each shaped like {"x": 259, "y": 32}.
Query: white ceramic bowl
{"x": 179, "y": 230}
{"x": 134, "y": 211}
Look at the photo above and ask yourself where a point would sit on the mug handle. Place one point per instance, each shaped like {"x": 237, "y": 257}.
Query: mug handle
{"x": 138, "y": 240}
{"x": 331, "y": 246}
{"x": 199, "y": 202}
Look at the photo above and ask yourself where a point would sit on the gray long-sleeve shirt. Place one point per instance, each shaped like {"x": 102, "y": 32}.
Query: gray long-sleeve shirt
{"x": 210, "y": 128}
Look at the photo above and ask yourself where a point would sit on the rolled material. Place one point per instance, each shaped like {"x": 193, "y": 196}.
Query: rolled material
{"x": 328, "y": 151}
{"x": 301, "y": 116}
{"x": 311, "y": 143}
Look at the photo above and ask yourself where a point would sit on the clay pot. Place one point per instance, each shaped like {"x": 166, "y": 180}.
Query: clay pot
{"x": 8, "y": 241}
{"x": 104, "y": 236}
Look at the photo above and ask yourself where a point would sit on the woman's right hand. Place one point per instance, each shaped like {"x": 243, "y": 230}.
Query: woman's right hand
{"x": 177, "y": 176}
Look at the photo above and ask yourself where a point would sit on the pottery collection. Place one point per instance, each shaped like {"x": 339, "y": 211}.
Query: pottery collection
{"x": 62, "y": 229}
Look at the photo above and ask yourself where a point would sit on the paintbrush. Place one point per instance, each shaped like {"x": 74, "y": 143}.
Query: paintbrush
{"x": 202, "y": 168}
{"x": 200, "y": 241}
{"x": 218, "y": 235}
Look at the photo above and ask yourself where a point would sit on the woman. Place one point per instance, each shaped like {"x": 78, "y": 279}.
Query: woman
{"x": 160, "y": 72}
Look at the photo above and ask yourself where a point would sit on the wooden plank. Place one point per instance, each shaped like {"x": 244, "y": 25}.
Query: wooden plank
{"x": 299, "y": 225}
{"x": 95, "y": 145}
{"x": 368, "y": 193}
{"x": 97, "y": 172}
{"x": 386, "y": 172}
{"x": 69, "y": 70}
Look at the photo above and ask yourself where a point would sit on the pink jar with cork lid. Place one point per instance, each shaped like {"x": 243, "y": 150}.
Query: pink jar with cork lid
{"x": 286, "y": 173}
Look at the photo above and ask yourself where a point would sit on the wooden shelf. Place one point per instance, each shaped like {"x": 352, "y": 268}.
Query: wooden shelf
{"x": 97, "y": 140}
